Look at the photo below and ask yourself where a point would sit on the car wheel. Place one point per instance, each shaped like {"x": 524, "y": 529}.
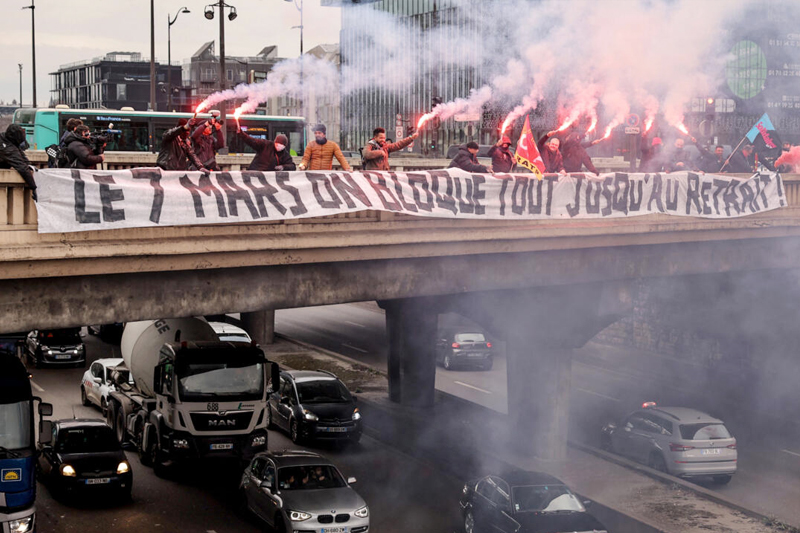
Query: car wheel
{"x": 447, "y": 363}
{"x": 657, "y": 462}
{"x": 270, "y": 423}
{"x": 119, "y": 426}
{"x": 145, "y": 457}
{"x": 84, "y": 398}
{"x": 469, "y": 523}
{"x": 294, "y": 432}
{"x": 722, "y": 480}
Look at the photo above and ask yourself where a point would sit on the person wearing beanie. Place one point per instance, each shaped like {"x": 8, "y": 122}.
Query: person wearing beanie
{"x": 466, "y": 159}
{"x": 176, "y": 148}
{"x": 12, "y": 154}
{"x": 652, "y": 155}
{"x": 320, "y": 152}
{"x": 502, "y": 158}
{"x": 377, "y": 150}
{"x": 270, "y": 155}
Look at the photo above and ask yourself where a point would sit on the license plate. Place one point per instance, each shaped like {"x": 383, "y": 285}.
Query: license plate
{"x": 222, "y": 446}
{"x": 476, "y": 354}
{"x": 712, "y": 451}
{"x": 334, "y": 530}
{"x": 63, "y": 356}
{"x": 98, "y": 481}
{"x": 334, "y": 430}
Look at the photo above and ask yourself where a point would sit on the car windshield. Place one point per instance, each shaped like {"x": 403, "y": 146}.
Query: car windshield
{"x": 199, "y": 380}
{"x": 311, "y": 477}
{"x": 545, "y": 499}
{"x": 60, "y": 336}
{"x": 327, "y": 391}
{"x": 86, "y": 440}
{"x": 15, "y": 427}
{"x": 8, "y": 346}
{"x": 470, "y": 337}
{"x": 704, "y": 432}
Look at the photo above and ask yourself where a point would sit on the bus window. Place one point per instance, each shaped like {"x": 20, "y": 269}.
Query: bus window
{"x": 294, "y": 131}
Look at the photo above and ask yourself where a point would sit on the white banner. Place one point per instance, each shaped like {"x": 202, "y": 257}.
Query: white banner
{"x": 81, "y": 200}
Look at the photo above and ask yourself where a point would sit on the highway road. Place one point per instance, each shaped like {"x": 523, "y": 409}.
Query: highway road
{"x": 606, "y": 385}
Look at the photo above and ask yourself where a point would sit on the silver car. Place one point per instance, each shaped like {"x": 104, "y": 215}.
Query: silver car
{"x": 677, "y": 440}
{"x": 305, "y": 491}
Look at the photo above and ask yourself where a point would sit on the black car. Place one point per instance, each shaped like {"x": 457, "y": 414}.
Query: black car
{"x": 314, "y": 405}
{"x": 84, "y": 455}
{"x": 56, "y": 347}
{"x": 458, "y": 348}
{"x": 524, "y": 502}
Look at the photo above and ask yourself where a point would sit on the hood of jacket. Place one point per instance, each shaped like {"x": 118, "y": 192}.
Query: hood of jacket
{"x": 15, "y": 135}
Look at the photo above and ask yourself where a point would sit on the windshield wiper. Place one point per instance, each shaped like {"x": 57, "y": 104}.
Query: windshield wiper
{"x": 9, "y": 453}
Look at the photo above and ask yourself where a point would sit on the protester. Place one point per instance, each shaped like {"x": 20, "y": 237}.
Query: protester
{"x": 71, "y": 125}
{"x": 270, "y": 155}
{"x": 740, "y": 161}
{"x": 652, "y": 159}
{"x": 376, "y": 152}
{"x": 176, "y": 149}
{"x": 551, "y": 156}
{"x": 320, "y": 152}
{"x": 679, "y": 159}
{"x": 207, "y": 139}
{"x": 82, "y": 152}
{"x": 711, "y": 163}
{"x": 12, "y": 154}
{"x": 574, "y": 155}
{"x": 502, "y": 158}
{"x": 466, "y": 159}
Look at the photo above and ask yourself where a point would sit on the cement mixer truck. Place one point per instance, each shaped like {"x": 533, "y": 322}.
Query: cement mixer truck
{"x": 192, "y": 396}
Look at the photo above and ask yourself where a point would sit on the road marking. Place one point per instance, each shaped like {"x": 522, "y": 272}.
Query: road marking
{"x": 355, "y": 324}
{"x": 36, "y": 386}
{"x": 354, "y": 348}
{"x": 601, "y": 395}
{"x": 472, "y": 387}
{"x": 791, "y": 453}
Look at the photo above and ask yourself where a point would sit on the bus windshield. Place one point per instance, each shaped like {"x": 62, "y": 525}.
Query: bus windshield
{"x": 15, "y": 425}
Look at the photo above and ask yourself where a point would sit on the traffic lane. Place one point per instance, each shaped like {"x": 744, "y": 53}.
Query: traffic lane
{"x": 484, "y": 387}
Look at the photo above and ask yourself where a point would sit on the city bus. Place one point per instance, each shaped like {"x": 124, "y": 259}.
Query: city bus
{"x": 141, "y": 131}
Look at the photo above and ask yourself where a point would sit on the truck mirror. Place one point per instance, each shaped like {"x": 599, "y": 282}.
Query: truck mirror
{"x": 45, "y": 409}
{"x": 45, "y": 432}
{"x": 276, "y": 377}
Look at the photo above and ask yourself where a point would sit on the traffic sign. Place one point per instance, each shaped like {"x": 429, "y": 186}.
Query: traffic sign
{"x": 632, "y": 120}
{"x": 633, "y": 131}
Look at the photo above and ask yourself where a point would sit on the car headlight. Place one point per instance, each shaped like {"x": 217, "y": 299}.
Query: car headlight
{"x": 22, "y": 525}
{"x": 310, "y": 416}
{"x": 49, "y": 352}
{"x": 259, "y": 440}
{"x": 181, "y": 444}
{"x": 363, "y": 512}
{"x": 68, "y": 471}
{"x": 298, "y": 516}
{"x": 123, "y": 467}
{"x": 356, "y": 414}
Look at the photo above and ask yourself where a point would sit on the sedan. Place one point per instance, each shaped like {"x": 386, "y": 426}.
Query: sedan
{"x": 97, "y": 382}
{"x": 84, "y": 455}
{"x": 56, "y": 347}
{"x": 464, "y": 349}
{"x": 524, "y": 502}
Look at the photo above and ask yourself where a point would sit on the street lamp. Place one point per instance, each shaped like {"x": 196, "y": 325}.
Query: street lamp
{"x": 300, "y": 9}
{"x": 20, "y": 84}
{"x": 170, "y": 22}
{"x": 209, "y": 14}
{"x": 32, "y": 7}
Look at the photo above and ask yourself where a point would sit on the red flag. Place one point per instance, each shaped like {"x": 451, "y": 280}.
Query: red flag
{"x": 527, "y": 154}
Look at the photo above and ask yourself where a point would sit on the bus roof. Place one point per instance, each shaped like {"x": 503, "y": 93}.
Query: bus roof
{"x": 158, "y": 114}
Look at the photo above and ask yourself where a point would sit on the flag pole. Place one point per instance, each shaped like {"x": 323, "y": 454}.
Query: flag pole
{"x": 733, "y": 152}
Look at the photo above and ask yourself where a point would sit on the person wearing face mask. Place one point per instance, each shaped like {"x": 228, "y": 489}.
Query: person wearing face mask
{"x": 176, "y": 149}
{"x": 320, "y": 152}
{"x": 12, "y": 154}
{"x": 377, "y": 150}
{"x": 270, "y": 155}
{"x": 207, "y": 139}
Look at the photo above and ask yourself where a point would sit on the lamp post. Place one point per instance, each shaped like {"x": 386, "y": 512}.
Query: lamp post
{"x": 20, "y": 84}
{"x": 32, "y": 7}
{"x": 223, "y": 80}
{"x": 152, "y": 56}
{"x": 299, "y": 7}
{"x": 170, "y": 22}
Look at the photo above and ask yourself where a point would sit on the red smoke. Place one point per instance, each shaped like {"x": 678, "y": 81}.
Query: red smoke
{"x": 792, "y": 157}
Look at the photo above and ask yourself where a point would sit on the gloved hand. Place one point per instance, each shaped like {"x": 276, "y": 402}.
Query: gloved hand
{"x": 279, "y": 167}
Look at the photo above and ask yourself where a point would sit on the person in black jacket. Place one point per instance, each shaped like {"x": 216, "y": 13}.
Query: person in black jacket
{"x": 465, "y": 159}
{"x": 740, "y": 161}
{"x": 502, "y": 158}
{"x": 12, "y": 154}
{"x": 574, "y": 155}
{"x": 176, "y": 149}
{"x": 270, "y": 155}
{"x": 81, "y": 151}
{"x": 207, "y": 139}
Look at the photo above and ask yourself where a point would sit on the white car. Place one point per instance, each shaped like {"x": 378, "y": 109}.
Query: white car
{"x": 96, "y": 383}
{"x": 230, "y": 333}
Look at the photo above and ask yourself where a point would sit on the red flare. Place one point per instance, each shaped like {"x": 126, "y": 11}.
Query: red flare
{"x": 236, "y": 115}
{"x": 648, "y": 123}
{"x": 506, "y": 125}
{"x": 424, "y": 118}
{"x": 790, "y": 158}
{"x": 593, "y": 125}
{"x": 566, "y": 124}
{"x": 608, "y": 131}
{"x": 682, "y": 128}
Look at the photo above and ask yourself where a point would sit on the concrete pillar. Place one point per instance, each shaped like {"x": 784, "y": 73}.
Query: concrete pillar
{"x": 260, "y": 325}
{"x": 538, "y": 397}
{"x": 411, "y": 327}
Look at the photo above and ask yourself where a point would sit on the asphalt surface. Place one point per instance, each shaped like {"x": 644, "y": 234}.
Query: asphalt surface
{"x": 606, "y": 385}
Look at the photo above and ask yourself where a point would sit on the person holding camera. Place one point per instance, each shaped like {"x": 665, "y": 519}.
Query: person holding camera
{"x": 376, "y": 152}
{"x": 207, "y": 139}
{"x": 176, "y": 148}
{"x": 82, "y": 150}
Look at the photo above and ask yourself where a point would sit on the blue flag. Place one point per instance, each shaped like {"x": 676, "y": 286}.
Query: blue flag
{"x": 765, "y": 140}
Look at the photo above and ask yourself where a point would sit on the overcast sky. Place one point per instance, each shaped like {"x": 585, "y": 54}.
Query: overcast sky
{"x": 82, "y": 29}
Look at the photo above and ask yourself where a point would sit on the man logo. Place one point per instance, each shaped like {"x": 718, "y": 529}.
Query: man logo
{"x": 13, "y": 474}
{"x": 222, "y": 423}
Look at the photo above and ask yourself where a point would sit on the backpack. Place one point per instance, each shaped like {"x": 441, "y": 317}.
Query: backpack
{"x": 57, "y": 157}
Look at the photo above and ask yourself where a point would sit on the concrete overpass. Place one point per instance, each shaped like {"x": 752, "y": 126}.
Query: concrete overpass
{"x": 545, "y": 286}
